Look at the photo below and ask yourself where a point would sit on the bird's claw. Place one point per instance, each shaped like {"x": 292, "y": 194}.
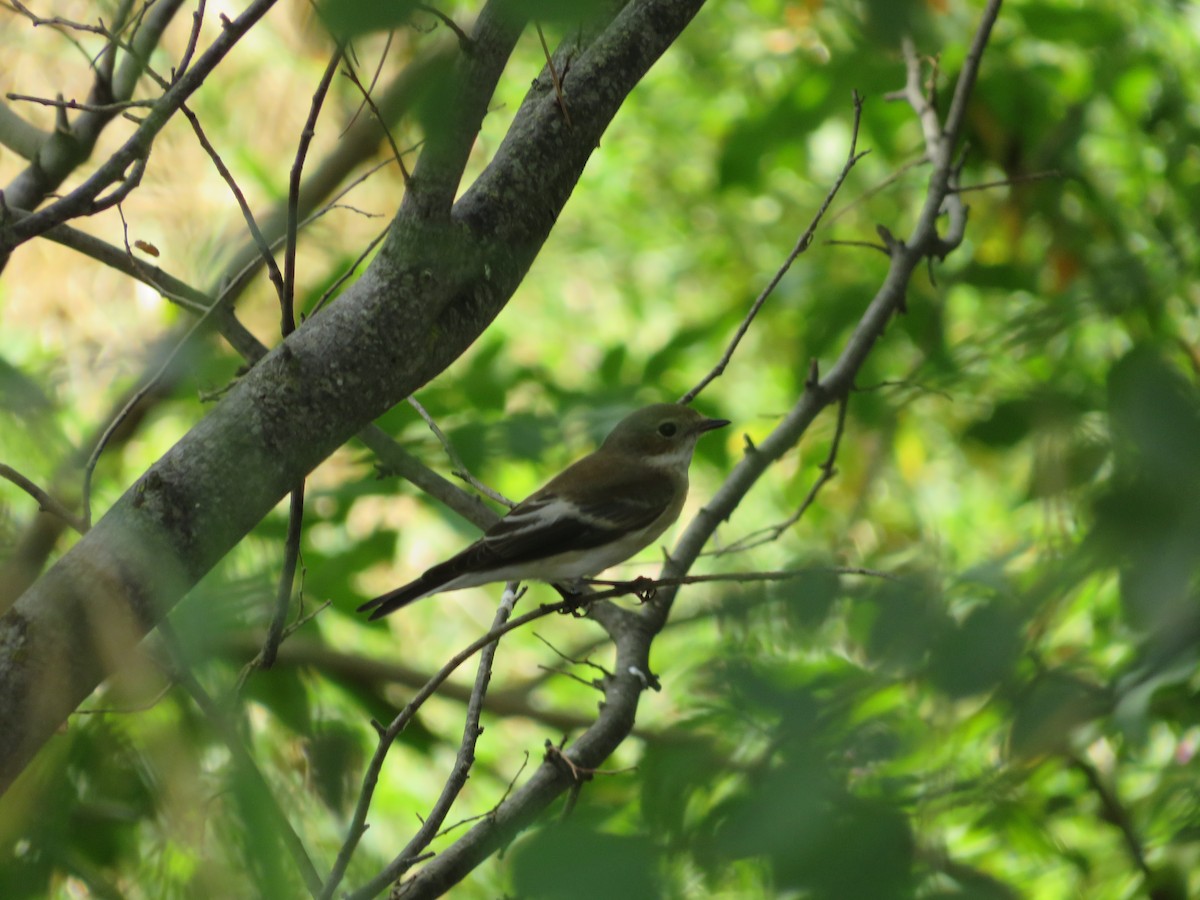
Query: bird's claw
{"x": 644, "y": 588}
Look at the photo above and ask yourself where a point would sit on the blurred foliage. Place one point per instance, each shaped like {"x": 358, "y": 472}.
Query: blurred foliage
{"x": 1013, "y": 712}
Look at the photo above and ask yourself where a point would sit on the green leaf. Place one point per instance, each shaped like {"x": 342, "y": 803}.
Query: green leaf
{"x": 977, "y": 655}
{"x": 575, "y": 860}
{"x": 1054, "y": 706}
{"x": 350, "y": 18}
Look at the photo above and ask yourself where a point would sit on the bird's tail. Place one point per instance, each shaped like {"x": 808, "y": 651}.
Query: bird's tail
{"x": 401, "y": 596}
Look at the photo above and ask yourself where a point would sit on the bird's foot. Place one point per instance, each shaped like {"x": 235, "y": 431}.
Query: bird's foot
{"x": 575, "y": 601}
{"x": 644, "y": 588}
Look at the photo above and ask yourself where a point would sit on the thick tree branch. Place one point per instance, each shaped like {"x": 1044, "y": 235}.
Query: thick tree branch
{"x": 19, "y": 136}
{"x": 360, "y": 141}
{"x": 433, "y": 288}
{"x": 451, "y": 129}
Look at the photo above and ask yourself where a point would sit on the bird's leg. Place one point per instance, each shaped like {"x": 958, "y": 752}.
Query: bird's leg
{"x": 644, "y": 588}
{"x": 574, "y": 596}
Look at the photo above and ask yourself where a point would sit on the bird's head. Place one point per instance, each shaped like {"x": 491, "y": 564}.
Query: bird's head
{"x": 662, "y": 434}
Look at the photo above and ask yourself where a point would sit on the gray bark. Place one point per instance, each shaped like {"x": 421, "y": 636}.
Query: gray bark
{"x": 444, "y": 273}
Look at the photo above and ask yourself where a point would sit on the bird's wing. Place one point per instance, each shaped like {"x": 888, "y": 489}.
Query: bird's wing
{"x": 545, "y": 525}
{"x": 548, "y": 524}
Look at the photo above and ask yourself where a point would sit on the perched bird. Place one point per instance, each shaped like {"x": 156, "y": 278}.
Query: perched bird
{"x": 598, "y": 512}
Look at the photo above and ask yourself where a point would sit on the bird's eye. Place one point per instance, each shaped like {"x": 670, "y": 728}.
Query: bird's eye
{"x": 667, "y": 429}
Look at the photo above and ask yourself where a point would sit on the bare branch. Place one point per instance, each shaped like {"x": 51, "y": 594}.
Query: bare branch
{"x": 46, "y": 503}
{"x": 287, "y": 298}
{"x": 802, "y": 244}
{"x": 464, "y": 42}
{"x": 460, "y": 468}
{"x": 263, "y": 247}
{"x": 348, "y": 274}
{"x": 287, "y": 577}
{"x": 383, "y": 124}
{"x": 117, "y": 106}
{"x": 355, "y": 148}
{"x": 193, "y": 38}
{"x": 389, "y": 734}
{"x": 889, "y": 299}
{"x": 85, "y": 199}
{"x": 462, "y": 763}
{"x": 641, "y": 586}
{"x": 828, "y": 470}
{"x": 554, "y": 77}
{"x": 257, "y": 662}
{"x": 1011, "y": 180}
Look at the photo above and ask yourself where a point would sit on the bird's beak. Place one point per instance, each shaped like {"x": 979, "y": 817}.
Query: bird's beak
{"x": 710, "y": 424}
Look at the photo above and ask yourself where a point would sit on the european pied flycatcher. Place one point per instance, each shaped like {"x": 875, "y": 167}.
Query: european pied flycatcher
{"x": 598, "y": 512}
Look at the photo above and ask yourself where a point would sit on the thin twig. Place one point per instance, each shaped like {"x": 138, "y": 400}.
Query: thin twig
{"x": 235, "y": 283}
{"x": 554, "y": 78}
{"x": 193, "y": 37}
{"x": 572, "y": 660}
{"x": 388, "y": 735}
{"x": 90, "y": 468}
{"x": 57, "y": 22}
{"x": 387, "y": 46}
{"x": 287, "y": 298}
{"x": 464, "y": 42}
{"x": 1011, "y": 180}
{"x": 828, "y": 470}
{"x": 86, "y": 199}
{"x": 802, "y": 244}
{"x": 552, "y": 670}
{"x": 216, "y": 308}
{"x": 594, "y": 684}
{"x": 464, "y": 760}
{"x": 145, "y": 706}
{"x": 383, "y": 124}
{"x": 869, "y": 245}
{"x": 508, "y": 790}
{"x": 877, "y": 188}
{"x": 914, "y": 386}
{"x": 459, "y": 467}
{"x": 118, "y": 106}
{"x": 287, "y": 578}
{"x": 642, "y": 586}
{"x": 46, "y": 503}
{"x": 175, "y": 290}
{"x": 350, "y": 270}
{"x": 257, "y": 662}
{"x": 247, "y": 214}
